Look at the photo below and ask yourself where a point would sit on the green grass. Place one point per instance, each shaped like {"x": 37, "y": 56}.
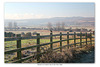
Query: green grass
{"x": 9, "y": 45}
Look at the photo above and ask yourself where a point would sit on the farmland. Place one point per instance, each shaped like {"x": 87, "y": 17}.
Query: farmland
{"x": 9, "y": 45}
{"x": 47, "y": 32}
{"x": 42, "y": 32}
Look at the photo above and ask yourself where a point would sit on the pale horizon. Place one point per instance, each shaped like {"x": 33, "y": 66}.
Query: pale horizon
{"x": 17, "y": 11}
{"x": 47, "y": 18}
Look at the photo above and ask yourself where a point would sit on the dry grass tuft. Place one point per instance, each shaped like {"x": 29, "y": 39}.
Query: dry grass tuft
{"x": 53, "y": 57}
{"x": 66, "y": 56}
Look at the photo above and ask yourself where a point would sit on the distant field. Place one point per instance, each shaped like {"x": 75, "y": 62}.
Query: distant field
{"x": 47, "y": 32}
{"x": 42, "y": 32}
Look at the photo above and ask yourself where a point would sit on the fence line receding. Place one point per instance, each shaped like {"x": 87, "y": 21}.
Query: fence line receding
{"x": 38, "y": 37}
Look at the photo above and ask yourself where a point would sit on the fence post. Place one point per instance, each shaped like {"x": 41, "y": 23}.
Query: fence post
{"x": 51, "y": 39}
{"x": 93, "y": 32}
{"x": 75, "y": 39}
{"x": 19, "y": 46}
{"x": 86, "y": 38}
{"x": 60, "y": 42}
{"x": 68, "y": 39}
{"x": 38, "y": 47}
{"x": 90, "y": 38}
{"x": 81, "y": 39}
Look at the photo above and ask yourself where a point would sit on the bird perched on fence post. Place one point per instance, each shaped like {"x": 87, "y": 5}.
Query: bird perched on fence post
{"x": 51, "y": 30}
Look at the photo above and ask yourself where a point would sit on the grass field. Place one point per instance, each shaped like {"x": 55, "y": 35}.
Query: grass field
{"x": 9, "y": 45}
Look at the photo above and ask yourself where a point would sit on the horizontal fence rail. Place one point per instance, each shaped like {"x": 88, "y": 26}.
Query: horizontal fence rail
{"x": 38, "y": 37}
{"x": 34, "y": 37}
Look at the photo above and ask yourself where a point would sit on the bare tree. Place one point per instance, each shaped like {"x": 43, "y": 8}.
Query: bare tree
{"x": 58, "y": 27}
{"x": 63, "y": 25}
{"x": 15, "y": 25}
{"x": 49, "y": 25}
{"x": 10, "y": 25}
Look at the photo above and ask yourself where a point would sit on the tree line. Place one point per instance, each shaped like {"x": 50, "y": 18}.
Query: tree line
{"x": 58, "y": 26}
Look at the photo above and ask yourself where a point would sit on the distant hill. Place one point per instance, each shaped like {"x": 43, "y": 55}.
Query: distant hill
{"x": 43, "y": 22}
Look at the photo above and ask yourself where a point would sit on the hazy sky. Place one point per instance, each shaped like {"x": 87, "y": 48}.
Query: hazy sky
{"x": 38, "y": 10}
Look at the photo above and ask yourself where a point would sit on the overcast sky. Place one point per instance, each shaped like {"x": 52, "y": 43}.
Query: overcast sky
{"x": 38, "y": 10}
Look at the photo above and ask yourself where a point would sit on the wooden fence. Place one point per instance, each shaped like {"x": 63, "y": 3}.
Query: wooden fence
{"x": 38, "y": 37}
